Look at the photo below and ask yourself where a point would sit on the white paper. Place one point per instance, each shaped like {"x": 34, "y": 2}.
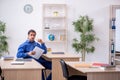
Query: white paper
{"x": 38, "y": 52}
{"x": 17, "y": 63}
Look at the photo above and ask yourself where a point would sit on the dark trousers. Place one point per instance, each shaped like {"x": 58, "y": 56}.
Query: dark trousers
{"x": 47, "y": 65}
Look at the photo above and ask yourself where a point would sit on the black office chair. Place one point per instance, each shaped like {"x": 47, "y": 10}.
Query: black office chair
{"x": 0, "y": 71}
{"x": 2, "y": 78}
{"x": 66, "y": 73}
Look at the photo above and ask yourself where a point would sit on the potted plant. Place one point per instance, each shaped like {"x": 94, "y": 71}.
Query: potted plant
{"x": 3, "y": 39}
{"x": 84, "y": 27}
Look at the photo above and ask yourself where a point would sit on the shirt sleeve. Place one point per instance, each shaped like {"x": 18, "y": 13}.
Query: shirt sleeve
{"x": 43, "y": 46}
{"x": 21, "y": 53}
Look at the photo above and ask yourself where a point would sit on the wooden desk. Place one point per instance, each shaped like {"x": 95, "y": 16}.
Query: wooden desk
{"x": 29, "y": 71}
{"x": 95, "y": 73}
{"x": 56, "y": 67}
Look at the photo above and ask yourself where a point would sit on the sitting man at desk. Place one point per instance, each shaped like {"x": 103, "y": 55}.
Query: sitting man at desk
{"x": 25, "y": 50}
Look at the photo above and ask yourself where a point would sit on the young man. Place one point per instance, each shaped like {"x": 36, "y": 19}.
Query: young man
{"x": 25, "y": 50}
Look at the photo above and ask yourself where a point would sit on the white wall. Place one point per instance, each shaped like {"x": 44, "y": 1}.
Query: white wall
{"x": 18, "y": 22}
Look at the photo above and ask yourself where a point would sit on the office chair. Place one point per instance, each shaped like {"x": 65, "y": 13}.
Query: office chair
{"x": 2, "y": 78}
{"x": 0, "y": 71}
{"x": 66, "y": 73}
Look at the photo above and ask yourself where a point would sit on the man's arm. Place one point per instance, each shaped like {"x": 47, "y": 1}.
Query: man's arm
{"x": 42, "y": 45}
{"x": 21, "y": 53}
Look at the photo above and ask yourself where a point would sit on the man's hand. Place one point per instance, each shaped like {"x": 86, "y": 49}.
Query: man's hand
{"x": 40, "y": 41}
{"x": 31, "y": 53}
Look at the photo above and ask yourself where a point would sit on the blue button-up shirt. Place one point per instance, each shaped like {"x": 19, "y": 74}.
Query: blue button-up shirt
{"x": 28, "y": 46}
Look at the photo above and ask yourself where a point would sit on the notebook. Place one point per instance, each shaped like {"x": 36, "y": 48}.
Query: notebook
{"x": 21, "y": 59}
{"x": 38, "y": 53}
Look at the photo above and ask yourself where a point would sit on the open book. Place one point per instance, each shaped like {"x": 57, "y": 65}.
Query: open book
{"x": 38, "y": 53}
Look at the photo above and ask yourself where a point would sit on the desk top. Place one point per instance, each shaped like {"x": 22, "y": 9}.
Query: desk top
{"x": 6, "y": 64}
{"x": 92, "y": 69}
{"x": 49, "y": 55}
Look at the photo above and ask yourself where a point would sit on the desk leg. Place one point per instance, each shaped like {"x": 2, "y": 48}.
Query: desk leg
{"x": 103, "y": 76}
{"x": 57, "y": 70}
{"x": 22, "y": 74}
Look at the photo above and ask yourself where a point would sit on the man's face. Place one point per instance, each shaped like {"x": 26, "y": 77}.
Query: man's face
{"x": 31, "y": 36}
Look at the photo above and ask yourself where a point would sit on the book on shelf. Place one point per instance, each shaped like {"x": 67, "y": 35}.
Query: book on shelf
{"x": 117, "y": 59}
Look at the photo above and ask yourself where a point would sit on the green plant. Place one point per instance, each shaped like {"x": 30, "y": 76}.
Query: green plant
{"x": 84, "y": 27}
{"x": 3, "y": 38}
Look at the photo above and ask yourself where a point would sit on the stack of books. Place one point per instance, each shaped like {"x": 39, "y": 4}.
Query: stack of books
{"x": 7, "y": 57}
{"x": 104, "y": 66}
{"x": 57, "y": 52}
{"x": 109, "y": 67}
{"x": 21, "y": 59}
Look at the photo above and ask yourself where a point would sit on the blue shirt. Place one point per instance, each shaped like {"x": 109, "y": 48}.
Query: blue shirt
{"x": 28, "y": 46}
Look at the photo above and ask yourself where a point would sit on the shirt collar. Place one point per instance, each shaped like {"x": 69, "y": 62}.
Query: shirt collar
{"x": 29, "y": 41}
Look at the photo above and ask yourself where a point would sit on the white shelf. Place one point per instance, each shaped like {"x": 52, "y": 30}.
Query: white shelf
{"x": 54, "y": 29}
{"x": 54, "y": 5}
{"x": 55, "y": 41}
{"x": 55, "y": 23}
{"x": 56, "y": 17}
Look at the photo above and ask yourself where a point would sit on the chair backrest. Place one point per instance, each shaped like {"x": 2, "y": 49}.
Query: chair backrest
{"x": 64, "y": 69}
{"x": 0, "y": 71}
{"x": 1, "y": 77}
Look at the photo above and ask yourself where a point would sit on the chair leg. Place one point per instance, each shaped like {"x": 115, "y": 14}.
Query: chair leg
{"x": 2, "y": 78}
{"x": 45, "y": 74}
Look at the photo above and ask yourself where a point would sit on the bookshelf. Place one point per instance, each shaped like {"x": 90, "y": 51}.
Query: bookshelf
{"x": 55, "y": 27}
{"x": 114, "y": 35}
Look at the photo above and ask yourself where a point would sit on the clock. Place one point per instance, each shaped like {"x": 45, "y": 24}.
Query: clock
{"x": 28, "y": 8}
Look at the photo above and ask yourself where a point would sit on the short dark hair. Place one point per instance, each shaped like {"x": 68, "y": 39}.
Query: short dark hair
{"x": 31, "y": 30}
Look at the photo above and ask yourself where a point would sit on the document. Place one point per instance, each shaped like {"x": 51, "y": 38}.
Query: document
{"x": 38, "y": 52}
{"x": 22, "y": 59}
{"x": 17, "y": 63}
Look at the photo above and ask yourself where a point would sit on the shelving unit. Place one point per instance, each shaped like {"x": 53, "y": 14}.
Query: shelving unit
{"x": 112, "y": 39}
{"x": 55, "y": 27}
{"x": 112, "y": 44}
{"x": 114, "y": 52}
